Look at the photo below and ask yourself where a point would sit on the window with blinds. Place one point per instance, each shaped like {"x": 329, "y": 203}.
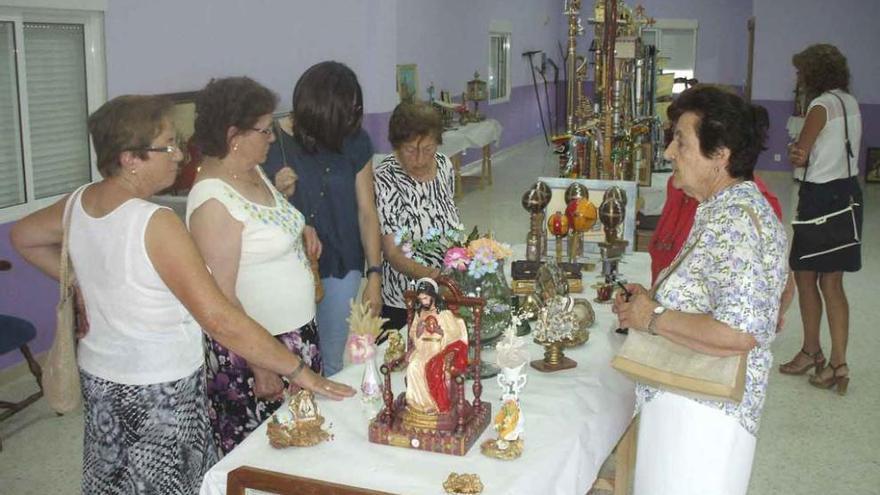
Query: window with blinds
{"x": 44, "y": 106}
{"x": 56, "y": 93}
{"x": 11, "y": 159}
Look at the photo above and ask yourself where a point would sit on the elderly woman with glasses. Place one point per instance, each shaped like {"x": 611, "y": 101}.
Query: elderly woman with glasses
{"x": 331, "y": 156}
{"x": 415, "y": 187}
{"x": 252, "y": 239}
{"x": 148, "y": 297}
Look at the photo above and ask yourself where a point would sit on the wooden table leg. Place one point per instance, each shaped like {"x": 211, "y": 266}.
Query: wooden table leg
{"x": 487, "y": 165}
{"x": 625, "y": 460}
{"x": 456, "y": 165}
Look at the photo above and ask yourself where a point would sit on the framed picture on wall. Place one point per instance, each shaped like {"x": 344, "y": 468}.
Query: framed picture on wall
{"x": 872, "y": 165}
{"x": 183, "y": 116}
{"x": 408, "y": 82}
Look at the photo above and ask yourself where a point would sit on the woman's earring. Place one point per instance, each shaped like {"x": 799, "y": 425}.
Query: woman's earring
{"x": 133, "y": 172}
{"x": 235, "y": 147}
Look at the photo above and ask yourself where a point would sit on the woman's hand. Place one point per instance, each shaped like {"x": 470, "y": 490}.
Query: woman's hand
{"x": 81, "y": 325}
{"x": 312, "y": 242}
{"x": 310, "y": 380}
{"x": 373, "y": 293}
{"x": 797, "y": 156}
{"x": 636, "y": 313}
{"x": 267, "y": 385}
{"x": 285, "y": 181}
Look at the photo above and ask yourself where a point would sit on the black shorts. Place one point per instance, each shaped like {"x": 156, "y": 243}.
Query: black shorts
{"x": 820, "y": 199}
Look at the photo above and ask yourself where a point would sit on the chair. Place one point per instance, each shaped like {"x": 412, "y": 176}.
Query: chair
{"x": 240, "y": 479}
{"x": 15, "y": 333}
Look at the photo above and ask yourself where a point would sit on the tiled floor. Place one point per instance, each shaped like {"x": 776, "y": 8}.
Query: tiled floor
{"x": 811, "y": 441}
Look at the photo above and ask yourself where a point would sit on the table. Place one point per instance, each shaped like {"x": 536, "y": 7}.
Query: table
{"x": 574, "y": 418}
{"x": 473, "y": 135}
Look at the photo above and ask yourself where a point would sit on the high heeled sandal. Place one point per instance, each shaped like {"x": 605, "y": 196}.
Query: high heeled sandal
{"x": 817, "y": 362}
{"x": 842, "y": 381}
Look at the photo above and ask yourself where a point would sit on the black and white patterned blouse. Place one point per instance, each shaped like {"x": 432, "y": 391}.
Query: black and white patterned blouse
{"x": 405, "y": 203}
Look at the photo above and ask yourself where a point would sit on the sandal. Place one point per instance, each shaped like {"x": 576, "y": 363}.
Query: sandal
{"x": 842, "y": 381}
{"x": 799, "y": 366}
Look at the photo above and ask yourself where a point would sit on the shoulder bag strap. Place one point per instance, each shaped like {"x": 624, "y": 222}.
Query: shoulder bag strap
{"x": 65, "y": 279}
{"x": 849, "y": 152}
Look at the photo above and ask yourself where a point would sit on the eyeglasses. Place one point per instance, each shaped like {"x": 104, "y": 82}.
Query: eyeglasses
{"x": 159, "y": 149}
{"x": 266, "y": 131}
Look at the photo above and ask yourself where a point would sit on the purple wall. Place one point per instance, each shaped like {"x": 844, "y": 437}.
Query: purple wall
{"x": 164, "y": 46}
{"x": 27, "y": 293}
{"x": 785, "y": 27}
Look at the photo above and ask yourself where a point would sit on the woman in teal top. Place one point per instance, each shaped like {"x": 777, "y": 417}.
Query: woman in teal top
{"x": 330, "y": 155}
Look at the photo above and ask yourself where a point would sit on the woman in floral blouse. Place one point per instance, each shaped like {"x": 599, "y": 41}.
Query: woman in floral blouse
{"x": 255, "y": 242}
{"x": 720, "y": 298}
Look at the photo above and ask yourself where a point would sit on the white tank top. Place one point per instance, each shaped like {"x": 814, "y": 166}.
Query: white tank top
{"x": 828, "y": 156}
{"x": 139, "y": 333}
{"x": 275, "y": 284}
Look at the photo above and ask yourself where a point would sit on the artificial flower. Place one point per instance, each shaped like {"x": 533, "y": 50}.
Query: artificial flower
{"x": 456, "y": 259}
{"x": 361, "y": 347}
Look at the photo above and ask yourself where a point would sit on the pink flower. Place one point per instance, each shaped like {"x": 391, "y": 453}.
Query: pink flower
{"x": 361, "y": 347}
{"x": 456, "y": 259}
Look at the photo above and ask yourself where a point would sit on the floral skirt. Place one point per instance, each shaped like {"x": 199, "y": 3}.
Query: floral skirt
{"x": 149, "y": 439}
{"x": 235, "y": 410}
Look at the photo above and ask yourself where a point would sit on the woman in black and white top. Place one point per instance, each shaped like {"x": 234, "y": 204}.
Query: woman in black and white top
{"x": 414, "y": 193}
{"x": 828, "y": 146}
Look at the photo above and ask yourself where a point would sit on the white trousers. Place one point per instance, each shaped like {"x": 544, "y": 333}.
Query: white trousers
{"x": 687, "y": 448}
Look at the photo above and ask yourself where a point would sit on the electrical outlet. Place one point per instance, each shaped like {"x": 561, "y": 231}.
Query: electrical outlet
{"x": 777, "y": 157}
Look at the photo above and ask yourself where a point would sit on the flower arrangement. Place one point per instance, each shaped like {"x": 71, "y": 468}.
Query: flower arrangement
{"x": 473, "y": 254}
{"x": 364, "y": 327}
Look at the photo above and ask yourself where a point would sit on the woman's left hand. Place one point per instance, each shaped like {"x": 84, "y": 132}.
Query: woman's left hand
{"x": 312, "y": 242}
{"x": 636, "y": 313}
{"x": 373, "y": 294}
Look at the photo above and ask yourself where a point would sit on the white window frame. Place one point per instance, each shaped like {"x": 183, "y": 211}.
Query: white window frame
{"x": 90, "y": 14}
{"x": 505, "y": 29}
{"x": 675, "y": 24}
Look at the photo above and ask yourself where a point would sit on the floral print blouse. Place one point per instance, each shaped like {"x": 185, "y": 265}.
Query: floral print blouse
{"x": 736, "y": 272}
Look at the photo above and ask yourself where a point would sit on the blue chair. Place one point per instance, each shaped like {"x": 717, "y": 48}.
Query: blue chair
{"x": 15, "y": 333}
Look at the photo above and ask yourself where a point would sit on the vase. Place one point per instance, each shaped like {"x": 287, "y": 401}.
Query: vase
{"x": 370, "y": 388}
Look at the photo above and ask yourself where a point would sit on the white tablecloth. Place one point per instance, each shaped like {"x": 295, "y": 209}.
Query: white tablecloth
{"x": 473, "y": 135}
{"x": 574, "y": 418}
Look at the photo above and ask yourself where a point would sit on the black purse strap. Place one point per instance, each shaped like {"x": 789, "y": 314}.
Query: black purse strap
{"x": 849, "y": 152}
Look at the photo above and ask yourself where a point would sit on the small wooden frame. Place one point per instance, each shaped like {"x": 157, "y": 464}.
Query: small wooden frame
{"x": 239, "y": 480}
{"x": 471, "y": 418}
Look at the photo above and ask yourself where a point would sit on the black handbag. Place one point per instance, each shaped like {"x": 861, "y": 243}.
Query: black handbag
{"x": 833, "y": 231}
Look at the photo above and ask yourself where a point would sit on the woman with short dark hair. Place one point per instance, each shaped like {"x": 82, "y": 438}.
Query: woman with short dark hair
{"x": 721, "y": 297}
{"x": 830, "y": 184}
{"x": 252, "y": 239}
{"x": 331, "y": 157}
{"x": 415, "y": 187}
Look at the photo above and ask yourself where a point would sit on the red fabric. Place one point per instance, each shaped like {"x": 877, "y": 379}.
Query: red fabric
{"x": 435, "y": 374}
{"x": 676, "y": 222}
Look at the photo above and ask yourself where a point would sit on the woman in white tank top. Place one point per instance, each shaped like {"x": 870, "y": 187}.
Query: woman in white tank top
{"x": 147, "y": 296}
{"x": 828, "y": 147}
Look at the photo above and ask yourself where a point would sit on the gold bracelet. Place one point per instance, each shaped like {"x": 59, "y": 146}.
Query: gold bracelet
{"x": 296, "y": 372}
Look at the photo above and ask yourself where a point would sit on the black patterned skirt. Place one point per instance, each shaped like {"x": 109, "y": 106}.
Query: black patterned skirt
{"x": 146, "y": 439}
{"x": 235, "y": 410}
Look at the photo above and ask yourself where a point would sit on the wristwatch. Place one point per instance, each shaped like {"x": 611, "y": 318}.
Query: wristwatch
{"x": 652, "y": 323}
{"x": 373, "y": 269}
